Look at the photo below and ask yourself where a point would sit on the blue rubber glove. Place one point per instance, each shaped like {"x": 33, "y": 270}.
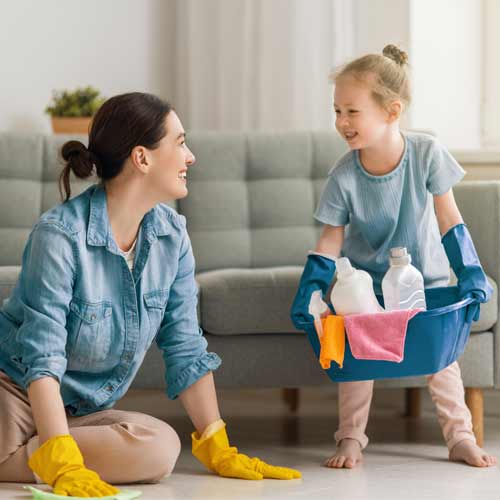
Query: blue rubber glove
{"x": 472, "y": 281}
{"x": 317, "y": 275}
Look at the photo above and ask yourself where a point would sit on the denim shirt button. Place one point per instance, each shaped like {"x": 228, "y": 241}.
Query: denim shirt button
{"x": 92, "y": 317}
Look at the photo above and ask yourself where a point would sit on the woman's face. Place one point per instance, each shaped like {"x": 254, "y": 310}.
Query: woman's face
{"x": 170, "y": 162}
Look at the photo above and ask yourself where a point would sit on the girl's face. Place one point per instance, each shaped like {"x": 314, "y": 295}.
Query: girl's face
{"x": 360, "y": 120}
{"x": 170, "y": 162}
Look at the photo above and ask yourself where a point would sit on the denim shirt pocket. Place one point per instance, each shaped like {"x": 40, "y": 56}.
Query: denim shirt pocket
{"x": 89, "y": 329}
{"x": 155, "y": 302}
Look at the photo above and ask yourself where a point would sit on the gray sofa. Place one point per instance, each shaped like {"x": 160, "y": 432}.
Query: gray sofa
{"x": 249, "y": 212}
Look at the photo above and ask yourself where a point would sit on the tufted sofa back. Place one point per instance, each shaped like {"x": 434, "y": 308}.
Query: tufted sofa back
{"x": 251, "y": 196}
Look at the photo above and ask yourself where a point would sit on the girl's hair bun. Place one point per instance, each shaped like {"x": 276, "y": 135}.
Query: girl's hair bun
{"x": 396, "y": 54}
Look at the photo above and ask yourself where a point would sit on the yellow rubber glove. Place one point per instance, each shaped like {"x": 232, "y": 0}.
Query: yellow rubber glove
{"x": 59, "y": 463}
{"x": 215, "y": 453}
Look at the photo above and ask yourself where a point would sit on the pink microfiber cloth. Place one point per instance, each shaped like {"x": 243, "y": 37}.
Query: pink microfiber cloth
{"x": 378, "y": 336}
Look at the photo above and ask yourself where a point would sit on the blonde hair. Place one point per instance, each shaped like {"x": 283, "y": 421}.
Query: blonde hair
{"x": 387, "y": 74}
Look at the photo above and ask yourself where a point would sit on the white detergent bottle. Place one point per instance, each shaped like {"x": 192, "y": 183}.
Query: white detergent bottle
{"x": 403, "y": 284}
{"x": 353, "y": 292}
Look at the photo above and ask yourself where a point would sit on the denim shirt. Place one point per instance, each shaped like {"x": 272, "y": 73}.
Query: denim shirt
{"x": 78, "y": 314}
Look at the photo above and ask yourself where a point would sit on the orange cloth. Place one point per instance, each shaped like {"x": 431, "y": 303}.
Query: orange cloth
{"x": 332, "y": 341}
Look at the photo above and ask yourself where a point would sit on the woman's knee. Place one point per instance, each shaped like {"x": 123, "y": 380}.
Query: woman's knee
{"x": 164, "y": 452}
{"x": 157, "y": 449}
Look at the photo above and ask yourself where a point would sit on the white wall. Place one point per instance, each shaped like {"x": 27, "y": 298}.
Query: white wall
{"x": 378, "y": 23}
{"x": 491, "y": 103}
{"x": 115, "y": 45}
{"x": 256, "y": 64}
{"x": 443, "y": 40}
{"x": 122, "y": 45}
{"x": 445, "y": 50}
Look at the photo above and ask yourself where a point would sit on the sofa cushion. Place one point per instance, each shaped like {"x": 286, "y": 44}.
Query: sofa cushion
{"x": 239, "y": 301}
{"x": 20, "y": 193}
{"x": 252, "y": 196}
{"x": 250, "y": 301}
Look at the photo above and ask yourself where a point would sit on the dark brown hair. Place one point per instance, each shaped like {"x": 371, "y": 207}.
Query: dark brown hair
{"x": 122, "y": 123}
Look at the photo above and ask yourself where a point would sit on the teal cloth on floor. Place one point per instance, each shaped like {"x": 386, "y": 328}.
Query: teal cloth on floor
{"x": 45, "y": 495}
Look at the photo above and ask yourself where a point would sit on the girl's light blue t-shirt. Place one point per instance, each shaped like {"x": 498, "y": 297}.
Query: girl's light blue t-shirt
{"x": 392, "y": 210}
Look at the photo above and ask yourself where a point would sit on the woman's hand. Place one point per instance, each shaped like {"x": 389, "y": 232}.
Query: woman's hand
{"x": 210, "y": 442}
{"x": 59, "y": 463}
{"x": 214, "y": 452}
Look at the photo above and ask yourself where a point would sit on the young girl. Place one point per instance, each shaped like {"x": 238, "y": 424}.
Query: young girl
{"x": 377, "y": 197}
{"x": 103, "y": 275}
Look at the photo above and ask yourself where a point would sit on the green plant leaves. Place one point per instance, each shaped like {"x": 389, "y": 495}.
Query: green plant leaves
{"x": 84, "y": 101}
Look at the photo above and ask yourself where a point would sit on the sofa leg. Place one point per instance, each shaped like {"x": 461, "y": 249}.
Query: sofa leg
{"x": 412, "y": 402}
{"x": 291, "y": 399}
{"x": 475, "y": 402}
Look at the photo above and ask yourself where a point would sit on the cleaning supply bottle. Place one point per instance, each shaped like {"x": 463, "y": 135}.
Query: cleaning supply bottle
{"x": 353, "y": 292}
{"x": 403, "y": 284}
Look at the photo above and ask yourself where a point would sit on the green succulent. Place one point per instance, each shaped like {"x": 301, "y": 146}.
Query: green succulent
{"x": 83, "y": 101}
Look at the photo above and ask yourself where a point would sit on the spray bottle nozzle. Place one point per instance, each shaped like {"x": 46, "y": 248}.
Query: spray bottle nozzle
{"x": 344, "y": 267}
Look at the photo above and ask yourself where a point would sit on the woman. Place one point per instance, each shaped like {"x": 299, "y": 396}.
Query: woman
{"x": 102, "y": 275}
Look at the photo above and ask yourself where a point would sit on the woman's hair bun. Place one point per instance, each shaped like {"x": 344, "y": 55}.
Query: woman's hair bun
{"x": 396, "y": 54}
{"x": 78, "y": 158}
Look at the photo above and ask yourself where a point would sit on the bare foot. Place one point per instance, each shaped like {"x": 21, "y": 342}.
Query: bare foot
{"x": 469, "y": 452}
{"x": 348, "y": 455}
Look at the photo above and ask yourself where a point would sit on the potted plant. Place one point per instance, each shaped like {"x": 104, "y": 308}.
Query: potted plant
{"x": 72, "y": 111}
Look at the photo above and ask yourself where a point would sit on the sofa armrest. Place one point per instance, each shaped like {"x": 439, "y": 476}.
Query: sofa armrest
{"x": 479, "y": 204}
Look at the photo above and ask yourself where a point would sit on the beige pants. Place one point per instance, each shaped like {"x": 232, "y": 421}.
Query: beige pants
{"x": 447, "y": 392}
{"x": 122, "y": 447}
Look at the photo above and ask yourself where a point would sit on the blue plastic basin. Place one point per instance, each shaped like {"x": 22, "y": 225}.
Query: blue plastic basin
{"x": 434, "y": 339}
